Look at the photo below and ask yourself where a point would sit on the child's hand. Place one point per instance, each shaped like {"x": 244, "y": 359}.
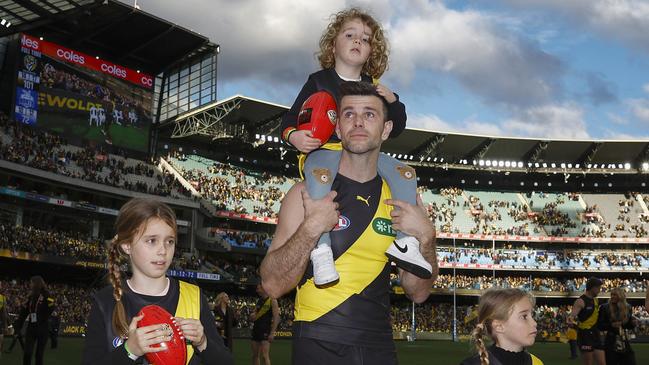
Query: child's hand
{"x": 193, "y": 331}
{"x": 386, "y": 93}
{"x": 304, "y": 141}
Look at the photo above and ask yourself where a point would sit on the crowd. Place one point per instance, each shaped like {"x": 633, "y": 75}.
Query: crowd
{"x": 535, "y": 284}
{"x": 235, "y": 189}
{"x": 51, "y": 242}
{"x": 72, "y": 301}
{"x": 47, "y": 151}
{"x": 525, "y": 257}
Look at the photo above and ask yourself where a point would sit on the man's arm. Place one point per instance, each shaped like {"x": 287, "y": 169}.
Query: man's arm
{"x": 413, "y": 220}
{"x": 576, "y": 308}
{"x": 275, "y": 321}
{"x": 301, "y": 222}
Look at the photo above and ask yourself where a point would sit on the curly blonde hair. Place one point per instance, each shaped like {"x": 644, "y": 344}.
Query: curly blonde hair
{"x": 377, "y": 62}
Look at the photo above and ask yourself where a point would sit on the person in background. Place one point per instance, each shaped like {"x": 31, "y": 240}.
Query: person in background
{"x": 37, "y": 311}
{"x": 224, "y": 317}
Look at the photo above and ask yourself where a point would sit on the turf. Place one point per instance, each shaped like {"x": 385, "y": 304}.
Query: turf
{"x": 410, "y": 353}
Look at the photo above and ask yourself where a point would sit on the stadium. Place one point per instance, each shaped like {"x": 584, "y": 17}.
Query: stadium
{"x": 103, "y": 102}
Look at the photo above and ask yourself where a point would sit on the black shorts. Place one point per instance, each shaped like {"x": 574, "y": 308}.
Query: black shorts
{"x": 589, "y": 340}
{"x": 317, "y": 352}
{"x": 260, "y": 334}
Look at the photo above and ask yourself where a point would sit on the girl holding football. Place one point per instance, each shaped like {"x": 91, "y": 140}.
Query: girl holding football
{"x": 145, "y": 240}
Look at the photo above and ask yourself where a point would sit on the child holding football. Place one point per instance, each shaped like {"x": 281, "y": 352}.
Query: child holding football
{"x": 145, "y": 240}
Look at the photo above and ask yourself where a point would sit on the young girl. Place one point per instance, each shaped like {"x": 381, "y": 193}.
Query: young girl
{"x": 146, "y": 239}
{"x": 505, "y": 315}
{"x": 353, "y": 48}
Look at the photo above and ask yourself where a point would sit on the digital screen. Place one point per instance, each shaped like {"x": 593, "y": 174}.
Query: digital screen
{"x": 82, "y": 97}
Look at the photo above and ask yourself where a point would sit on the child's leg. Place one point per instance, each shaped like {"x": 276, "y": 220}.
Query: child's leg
{"x": 404, "y": 251}
{"x": 401, "y": 179}
{"x": 320, "y": 169}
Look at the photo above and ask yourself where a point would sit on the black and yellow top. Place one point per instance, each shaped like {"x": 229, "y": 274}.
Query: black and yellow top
{"x": 264, "y": 314}
{"x": 356, "y": 310}
{"x": 588, "y": 315}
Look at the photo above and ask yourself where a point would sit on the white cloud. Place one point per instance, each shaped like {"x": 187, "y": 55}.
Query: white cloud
{"x": 617, "y": 119}
{"x": 436, "y": 124}
{"x": 623, "y": 20}
{"x": 564, "y": 121}
{"x": 470, "y": 47}
{"x": 639, "y": 108}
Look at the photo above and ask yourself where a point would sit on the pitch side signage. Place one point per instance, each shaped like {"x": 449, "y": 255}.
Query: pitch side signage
{"x": 59, "y": 52}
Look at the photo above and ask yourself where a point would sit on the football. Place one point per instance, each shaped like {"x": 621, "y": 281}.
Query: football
{"x": 318, "y": 114}
{"x": 176, "y": 353}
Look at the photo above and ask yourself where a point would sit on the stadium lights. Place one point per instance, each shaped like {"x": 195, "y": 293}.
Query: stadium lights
{"x": 520, "y": 164}
{"x": 645, "y": 165}
{"x": 627, "y": 166}
{"x": 411, "y": 157}
{"x": 276, "y": 139}
{"x": 577, "y": 166}
{"x": 488, "y": 163}
{"x": 441, "y": 159}
{"x": 7, "y": 23}
{"x": 545, "y": 165}
{"x": 428, "y": 159}
{"x": 563, "y": 165}
{"x": 400, "y": 155}
{"x": 481, "y": 162}
{"x": 553, "y": 165}
{"x": 536, "y": 164}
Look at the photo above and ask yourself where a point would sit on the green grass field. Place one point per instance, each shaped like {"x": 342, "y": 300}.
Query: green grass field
{"x": 410, "y": 353}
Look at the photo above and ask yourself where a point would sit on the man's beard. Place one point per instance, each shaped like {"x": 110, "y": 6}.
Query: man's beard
{"x": 361, "y": 148}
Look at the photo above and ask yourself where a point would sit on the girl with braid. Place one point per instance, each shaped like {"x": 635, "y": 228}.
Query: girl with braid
{"x": 506, "y": 316}
{"x": 145, "y": 241}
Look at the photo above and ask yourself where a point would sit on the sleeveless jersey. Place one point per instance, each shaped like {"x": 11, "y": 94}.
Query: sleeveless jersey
{"x": 264, "y": 311}
{"x": 588, "y": 315}
{"x": 356, "y": 310}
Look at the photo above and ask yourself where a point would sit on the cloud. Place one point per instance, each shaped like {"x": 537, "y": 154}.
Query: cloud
{"x": 600, "y": 90}
{"x": 562, "y": 121}
{"x": 275, "y": 41}
{"x": 639, "y": 108}
{"x": 469, "y": 46}
{"x": 623, "y": 20}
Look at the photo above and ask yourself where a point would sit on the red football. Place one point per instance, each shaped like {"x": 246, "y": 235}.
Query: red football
{"x": 318, "y": 114}
{"x": 176, "y": 353}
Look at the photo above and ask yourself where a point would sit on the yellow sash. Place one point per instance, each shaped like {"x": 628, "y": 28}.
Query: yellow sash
{"x": 189, "y": 306}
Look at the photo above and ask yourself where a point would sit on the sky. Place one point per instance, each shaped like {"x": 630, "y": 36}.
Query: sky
{"x": 555, "y": 69}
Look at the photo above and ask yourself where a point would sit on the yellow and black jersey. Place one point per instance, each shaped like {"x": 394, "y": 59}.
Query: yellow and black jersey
{"x": 588, "y": 315}
{"x": 264, "y": 313}
{"x": 356, "y": 310}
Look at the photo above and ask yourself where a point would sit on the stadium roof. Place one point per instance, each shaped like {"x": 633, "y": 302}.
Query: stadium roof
{"x": 237, "y": 118}
{"x": 453, "y": 147}
{"x": 263, "y": 118}
{"x": 107, "y": 28}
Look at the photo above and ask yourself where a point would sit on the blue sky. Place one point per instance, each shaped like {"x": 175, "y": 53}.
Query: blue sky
{"x": 576, "y": 69}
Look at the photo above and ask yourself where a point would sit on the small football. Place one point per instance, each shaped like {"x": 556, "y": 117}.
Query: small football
{"x": 176, "y": 353}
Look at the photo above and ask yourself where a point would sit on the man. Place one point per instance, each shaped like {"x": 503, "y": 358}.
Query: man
{"x": 585, "y": 313}
{"x": 54, "y": 324}
{"x": 37, "y": 312}
{"x": 264, "y": 324}
{"x": 348, "y": 322}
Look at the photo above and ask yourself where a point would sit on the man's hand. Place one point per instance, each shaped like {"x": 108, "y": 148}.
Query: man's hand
{"x": 411, "y": 220}
{"x": 304, "y": 141}
{"x": 321, "y": 215}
